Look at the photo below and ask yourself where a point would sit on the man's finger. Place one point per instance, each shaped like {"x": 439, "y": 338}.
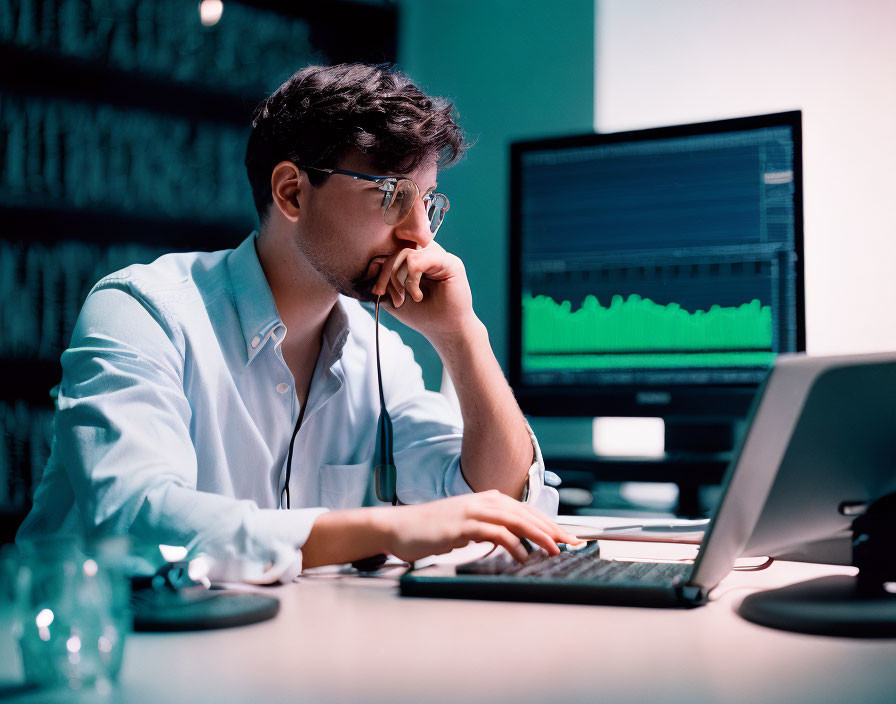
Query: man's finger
{"x": 411, "y": 261}
{"x": 556, "y": 531}
{"x": 432, "y": 262}
{"x": 410, "y": 279}
{"x": 382, "y": 280}
{"x": 550, "y": 527}
{"x": 400, "y": 274}
{"x": 488, "y": 532}
{"x": 397, "y": 295}
{"x": 531, "y": 514}
{"x": 413, "y": 286}
{"x": 521, "y": 527}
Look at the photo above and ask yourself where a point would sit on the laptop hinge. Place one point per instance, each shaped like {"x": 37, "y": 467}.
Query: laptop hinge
{"x": 691, "y": 593}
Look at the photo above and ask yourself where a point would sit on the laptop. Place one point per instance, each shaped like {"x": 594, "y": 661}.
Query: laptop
{"x": 796, "y": 387}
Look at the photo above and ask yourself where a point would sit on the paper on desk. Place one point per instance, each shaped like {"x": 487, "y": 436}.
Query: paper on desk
{"x": 643, "y": 551}
{"x": 646, "y": 530}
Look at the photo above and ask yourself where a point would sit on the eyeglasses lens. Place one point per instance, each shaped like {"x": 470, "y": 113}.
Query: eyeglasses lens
{"x": 438, "y": 206}
{"x": 403, "y": 198}
{"x": 402, "y": 201}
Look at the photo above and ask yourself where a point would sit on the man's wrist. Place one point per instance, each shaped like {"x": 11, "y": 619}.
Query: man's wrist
{"x": 347, "y": 535}
{"x": 457, "y": 345}
{"x": 381, "y": 525}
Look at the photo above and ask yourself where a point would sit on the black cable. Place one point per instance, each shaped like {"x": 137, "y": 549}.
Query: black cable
{"x": 755, "y": 568}
{"x": 289, "y": 456}
{"x": 385, "y": 476}
{"x": 379, "y": 375}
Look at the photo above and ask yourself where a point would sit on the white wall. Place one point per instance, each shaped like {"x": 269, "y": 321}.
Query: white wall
{"x": 666, "y": 62}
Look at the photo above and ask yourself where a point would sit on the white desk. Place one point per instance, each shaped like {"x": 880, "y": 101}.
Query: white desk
{"x": 356, "y": 640}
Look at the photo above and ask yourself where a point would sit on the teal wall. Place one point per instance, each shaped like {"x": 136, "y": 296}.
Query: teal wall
{"x": 514, "y": 70}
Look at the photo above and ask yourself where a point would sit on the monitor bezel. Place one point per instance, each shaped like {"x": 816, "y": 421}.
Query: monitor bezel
{"x": 697, "y": 401}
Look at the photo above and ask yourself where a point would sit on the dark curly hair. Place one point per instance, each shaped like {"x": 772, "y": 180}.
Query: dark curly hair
{"x": 322, "y": 112}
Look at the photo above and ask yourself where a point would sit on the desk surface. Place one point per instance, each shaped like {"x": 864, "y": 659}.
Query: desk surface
{"x": 355, "y": 640}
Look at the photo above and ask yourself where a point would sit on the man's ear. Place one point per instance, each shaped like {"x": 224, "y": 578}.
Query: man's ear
{"x": 287, "y": 186}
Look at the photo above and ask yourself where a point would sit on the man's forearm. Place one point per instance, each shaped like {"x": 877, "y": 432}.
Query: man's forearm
{"x": 415, "y": 531}
{"x": 497, "y": 449}
{"x": 338, "y": 537}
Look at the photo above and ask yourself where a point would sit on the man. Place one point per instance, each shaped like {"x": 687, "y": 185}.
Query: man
{"x": 228, "y": 401}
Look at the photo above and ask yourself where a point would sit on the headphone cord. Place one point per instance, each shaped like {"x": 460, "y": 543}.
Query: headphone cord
{"x": 385, "y": 485}
{"x": 386, "y": 459}
{"x": 291, "y": 444}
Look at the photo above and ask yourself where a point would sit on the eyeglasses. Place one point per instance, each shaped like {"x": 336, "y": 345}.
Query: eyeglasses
{"x": 400, "y": 194}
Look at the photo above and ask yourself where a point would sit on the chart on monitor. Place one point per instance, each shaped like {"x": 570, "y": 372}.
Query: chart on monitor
{"x": 658, "y": 259}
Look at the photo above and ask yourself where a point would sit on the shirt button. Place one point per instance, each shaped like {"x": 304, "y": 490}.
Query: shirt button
{"x": 282, "y": 387}
{"x": 255, "y": 341}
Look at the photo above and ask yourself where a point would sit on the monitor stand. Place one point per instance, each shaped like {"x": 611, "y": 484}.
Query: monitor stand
{"x": 697, "y": 453}
{"x": 687, "y": 437}
{"x": 693, "y": 444}
{"x": 861, "y": 606}
{"x": 831, "y": 606}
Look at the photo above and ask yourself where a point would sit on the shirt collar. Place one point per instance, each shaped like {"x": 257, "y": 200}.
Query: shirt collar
{"x": 335, "y": 332}
{"x": 254, "y": 301}
{"x": 259, "y": 318}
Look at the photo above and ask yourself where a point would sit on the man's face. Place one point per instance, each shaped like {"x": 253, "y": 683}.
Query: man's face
{"x": 343, "y": 235}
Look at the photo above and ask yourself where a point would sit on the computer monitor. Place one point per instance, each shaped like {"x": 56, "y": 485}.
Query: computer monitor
{"x": 655, "y": 272}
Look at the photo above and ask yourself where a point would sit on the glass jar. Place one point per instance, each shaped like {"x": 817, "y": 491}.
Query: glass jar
{"x": 71, "y": 611}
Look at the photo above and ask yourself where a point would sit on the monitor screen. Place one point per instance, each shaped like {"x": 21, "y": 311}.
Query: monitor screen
{"x": 655, "y": 272}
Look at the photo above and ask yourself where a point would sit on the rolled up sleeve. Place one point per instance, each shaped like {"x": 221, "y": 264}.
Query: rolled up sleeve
{"x": 123, "y": 434}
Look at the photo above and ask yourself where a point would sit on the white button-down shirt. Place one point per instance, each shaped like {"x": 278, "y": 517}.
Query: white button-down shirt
{"x": 176, "y": 410}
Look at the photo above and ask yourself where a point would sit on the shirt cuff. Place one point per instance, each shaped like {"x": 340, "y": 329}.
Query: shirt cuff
{"x": 535, "y": 492}
{"x": 455, "y": 483}
{"x": 272, "y": 553}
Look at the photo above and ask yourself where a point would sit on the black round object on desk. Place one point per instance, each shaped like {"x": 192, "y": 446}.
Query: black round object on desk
{"x": 832, "y": 606}
{"x": 175, "y": 611}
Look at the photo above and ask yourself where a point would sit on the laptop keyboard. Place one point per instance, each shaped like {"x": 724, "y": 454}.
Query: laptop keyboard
{"x": 578, "y": 565}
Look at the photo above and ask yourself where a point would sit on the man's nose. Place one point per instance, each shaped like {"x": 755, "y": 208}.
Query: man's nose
{"x": 415, "y": 228}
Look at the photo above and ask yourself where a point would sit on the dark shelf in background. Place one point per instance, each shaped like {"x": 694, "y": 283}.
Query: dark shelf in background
{"x": 49, "y": 226}
{"x": 42, "y": 75}
{"x": 345, "y": 31}
{"x": 370, "y": 37}
{"x": 691, "y": 468}
{"x": 29, "y": 380}
{"x": 10, "y": 520}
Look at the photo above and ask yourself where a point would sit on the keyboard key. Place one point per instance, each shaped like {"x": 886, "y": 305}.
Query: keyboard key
{"x": 580, "y": 565}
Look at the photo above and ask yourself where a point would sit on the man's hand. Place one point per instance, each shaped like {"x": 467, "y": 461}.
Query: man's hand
{"x": 427, "y": 290}
{"x": 413, "y": 532}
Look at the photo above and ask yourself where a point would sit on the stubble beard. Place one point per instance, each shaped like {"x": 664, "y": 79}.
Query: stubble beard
{"x": 357, "y": 286}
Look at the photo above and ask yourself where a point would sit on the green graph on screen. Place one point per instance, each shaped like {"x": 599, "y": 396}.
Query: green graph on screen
{"x": 637, "y": 333}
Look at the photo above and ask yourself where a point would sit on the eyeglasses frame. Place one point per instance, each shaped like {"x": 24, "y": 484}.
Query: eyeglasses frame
{"x": 389, "y": 186}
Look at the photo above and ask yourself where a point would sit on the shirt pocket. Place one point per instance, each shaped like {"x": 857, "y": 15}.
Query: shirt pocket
{"x": 345, "y": 485}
